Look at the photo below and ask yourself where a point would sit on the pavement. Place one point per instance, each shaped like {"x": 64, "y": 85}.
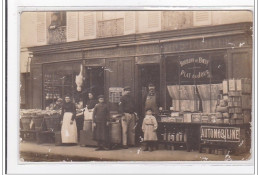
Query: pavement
{"x": 50, "y": 152}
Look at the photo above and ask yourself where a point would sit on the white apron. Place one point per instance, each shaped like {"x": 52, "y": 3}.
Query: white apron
{"x": 68, "y": 131}
{"x": 88, "y": 116}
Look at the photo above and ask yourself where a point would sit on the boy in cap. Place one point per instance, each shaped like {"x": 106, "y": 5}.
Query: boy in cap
{"x": 100, "y": 122}
{"x": 128, "y": 120}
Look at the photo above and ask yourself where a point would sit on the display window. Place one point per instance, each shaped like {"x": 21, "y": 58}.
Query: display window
{"x": 194, "y": 81}
{"x": 59, "y": 81}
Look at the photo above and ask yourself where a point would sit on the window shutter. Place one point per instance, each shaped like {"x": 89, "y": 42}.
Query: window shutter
{"x": 41, "y": 28}
{"x": 201, "y": 18}
{"x": 129, "y": 22}
{"x": 154, "y": 21}
{"x": 87, "y": 25}
{"x": 72, "y": 26}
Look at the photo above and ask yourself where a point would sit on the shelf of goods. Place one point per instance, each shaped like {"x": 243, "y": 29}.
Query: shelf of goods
{"x": 222, "y": 130}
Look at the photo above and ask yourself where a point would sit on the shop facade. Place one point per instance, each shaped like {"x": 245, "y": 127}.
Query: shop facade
{"x": 194, "y": 56}
{"x": 188, "y": 68}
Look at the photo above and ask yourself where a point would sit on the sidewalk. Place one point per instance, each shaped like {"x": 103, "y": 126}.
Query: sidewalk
{"x": 77, "y": 153}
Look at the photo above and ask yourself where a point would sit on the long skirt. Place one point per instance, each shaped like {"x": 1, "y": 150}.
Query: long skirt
{"x": 100, "y": 132}
{"x": 68, "y": 131}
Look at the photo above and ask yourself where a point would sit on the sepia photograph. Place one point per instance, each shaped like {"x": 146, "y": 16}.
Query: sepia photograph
{"x": 134, "y": 85}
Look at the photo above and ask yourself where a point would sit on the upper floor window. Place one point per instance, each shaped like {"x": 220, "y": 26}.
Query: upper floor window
{"x": 57, "y": 28}
{"x": 57, "y": 19}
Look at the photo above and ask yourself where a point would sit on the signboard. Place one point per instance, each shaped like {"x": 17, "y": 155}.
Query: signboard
{"x": 194, "y": 67}
{"x": 220, "y": 134}
{"x": 115, "y": 94}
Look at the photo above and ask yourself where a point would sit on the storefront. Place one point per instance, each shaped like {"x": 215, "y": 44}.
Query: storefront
{"x": 187, "y": 66}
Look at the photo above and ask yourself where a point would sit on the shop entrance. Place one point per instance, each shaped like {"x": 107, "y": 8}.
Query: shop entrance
{"x": 94, "y": 82}
{"x": 148, "y": 73}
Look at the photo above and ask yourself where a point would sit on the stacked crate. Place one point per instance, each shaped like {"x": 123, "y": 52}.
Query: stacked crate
{"x": 222, "y": 115}
{"x": 238, "y": 92}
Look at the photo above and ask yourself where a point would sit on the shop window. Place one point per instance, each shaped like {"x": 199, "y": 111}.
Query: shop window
{"x": 59, "y": 81}
{"x": 193, "y": 81}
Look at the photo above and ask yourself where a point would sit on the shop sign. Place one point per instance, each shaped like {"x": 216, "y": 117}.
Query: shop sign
{"x": 194, "y": 68}
{"x": 115, "y": 93}
{"x": 221, "y": 134}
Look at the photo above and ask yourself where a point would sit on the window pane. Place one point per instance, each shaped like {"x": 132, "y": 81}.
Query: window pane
{"x": 218, "y": 68}
{"x": 172, "y": 70}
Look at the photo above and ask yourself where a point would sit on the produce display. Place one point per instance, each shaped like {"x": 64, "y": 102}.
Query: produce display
{"x": 32, "y": 119}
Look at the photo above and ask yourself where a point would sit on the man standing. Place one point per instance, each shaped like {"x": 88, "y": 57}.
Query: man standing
{"x": 128, "y": 120}
{"x": 151, "y": 100}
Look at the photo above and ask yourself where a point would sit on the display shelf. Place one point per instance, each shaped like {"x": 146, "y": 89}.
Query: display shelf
{"x": 172, "y": 142}
{"x": 199, "y": 124}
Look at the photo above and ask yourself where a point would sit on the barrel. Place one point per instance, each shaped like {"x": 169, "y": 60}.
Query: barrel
{"x": 115, "y": 132}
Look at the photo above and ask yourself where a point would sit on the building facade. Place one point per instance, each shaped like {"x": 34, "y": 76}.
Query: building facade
{"x": 133, "y": 48}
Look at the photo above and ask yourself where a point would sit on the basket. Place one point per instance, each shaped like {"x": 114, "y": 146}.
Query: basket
{"x": 38, "y": 122}
{"x": 52, "y": 122}
{"x": 26, "y": 122}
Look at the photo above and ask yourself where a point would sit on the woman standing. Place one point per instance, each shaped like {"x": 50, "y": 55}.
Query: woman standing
{"x": 88, "y": 111}
{"x": 68, "y": 128}
{"x": 91, "y": 102}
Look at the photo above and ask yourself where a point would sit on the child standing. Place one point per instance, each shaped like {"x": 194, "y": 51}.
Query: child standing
{"x": 149, "y": 128}
{"x": 100, "y": 122}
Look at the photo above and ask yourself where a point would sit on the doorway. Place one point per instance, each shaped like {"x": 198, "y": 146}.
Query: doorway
{"x": 148, "y": 73}
{"x": 94, "y": 82}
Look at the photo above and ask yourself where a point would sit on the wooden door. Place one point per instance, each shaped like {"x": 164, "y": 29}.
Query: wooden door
{"x": 119, "y": 72}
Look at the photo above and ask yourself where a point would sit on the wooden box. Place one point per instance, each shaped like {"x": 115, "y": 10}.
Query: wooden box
{"x": 225, "y": 115}
{"x": 196, "y": 118}
{"x": 239, "y": 121}
{"x": 232, "y": 85}
{"x": 187, "y": 117}
{"x": 179, "y": 119}
{"x": 226, "y": 121}
{"x": 225, "y": 86}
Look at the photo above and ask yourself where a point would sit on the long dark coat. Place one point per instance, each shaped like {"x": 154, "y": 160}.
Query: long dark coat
{"x": 101, "y": 117}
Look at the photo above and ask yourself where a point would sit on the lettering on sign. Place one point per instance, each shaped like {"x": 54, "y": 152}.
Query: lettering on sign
{"x": 222, "y": 134}
{"x": 194, "y": 68}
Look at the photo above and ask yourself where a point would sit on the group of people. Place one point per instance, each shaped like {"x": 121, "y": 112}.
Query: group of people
{"x": 99, "y": 113}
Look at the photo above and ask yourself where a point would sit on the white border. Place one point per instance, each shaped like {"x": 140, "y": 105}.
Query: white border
{"x": 14, "y": 6}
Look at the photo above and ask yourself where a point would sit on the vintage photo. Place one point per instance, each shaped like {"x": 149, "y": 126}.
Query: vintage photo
{"x": 136, "y": 86}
